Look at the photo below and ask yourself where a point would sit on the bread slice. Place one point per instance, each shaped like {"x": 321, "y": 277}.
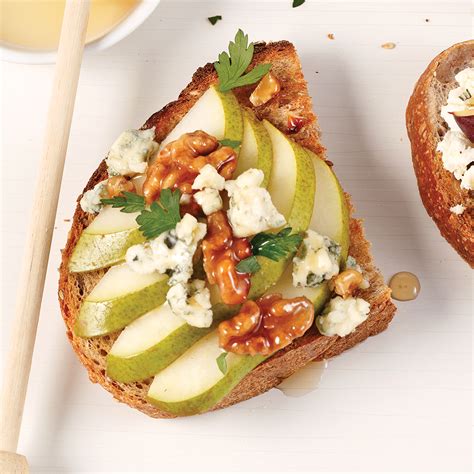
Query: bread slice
{"x": 439, "y": 189}
{"x": 294, "y": 99}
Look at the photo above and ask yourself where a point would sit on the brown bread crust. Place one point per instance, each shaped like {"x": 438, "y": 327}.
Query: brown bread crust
{"x": 439, "y": 189}
{"x": 74, "y": 287}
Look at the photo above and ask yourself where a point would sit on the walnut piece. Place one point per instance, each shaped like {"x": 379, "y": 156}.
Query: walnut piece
{"x": 221, "y": 253}
{"x": 179, "y": 162}
{"x": 267, "y": 88}
{"x": 346, "y": 283}
{"x": 116, "y": 185}
{"x": 266, "y": 325}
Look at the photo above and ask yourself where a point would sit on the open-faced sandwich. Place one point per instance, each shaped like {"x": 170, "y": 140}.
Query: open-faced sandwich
{"x": 213, "y": 252}
{"x": 440, "y": 123}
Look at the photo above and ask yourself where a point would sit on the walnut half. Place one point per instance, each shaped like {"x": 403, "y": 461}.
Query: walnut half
{"x": 266, "y": 325}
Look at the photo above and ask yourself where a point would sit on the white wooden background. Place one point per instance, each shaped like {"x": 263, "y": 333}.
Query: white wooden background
{"x": 400, "y": 401}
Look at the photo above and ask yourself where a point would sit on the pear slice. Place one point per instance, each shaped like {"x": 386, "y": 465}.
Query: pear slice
{"x": 292, "y": 188}
{"x": 256, "y": 150}
{"x": 119, "y": 298}
{"x": 194, "y": 383}
{"x": 105, "y": 241}
{"x": 154, "y": 341}
{"x": 331, "y": 218}
{"x": 216, "y": 113}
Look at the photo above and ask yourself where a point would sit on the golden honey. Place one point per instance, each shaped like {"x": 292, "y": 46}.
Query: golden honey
{"x": 405, "y": 286}
{"x": 36, "y": 24}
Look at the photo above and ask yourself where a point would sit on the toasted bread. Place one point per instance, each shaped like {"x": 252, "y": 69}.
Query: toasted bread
{"x": 439, "y": 189}
{"x": 73, "y": 287}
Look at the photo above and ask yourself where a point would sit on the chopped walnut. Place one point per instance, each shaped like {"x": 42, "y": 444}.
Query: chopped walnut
{"x": 346, "y": 283}
{"x": 179, "y": 162}
{"x": 266, "y": 325}
{"x": 221, "y": 253}
{"x": 267, "y": 88}
{"x": 116, "y": 185}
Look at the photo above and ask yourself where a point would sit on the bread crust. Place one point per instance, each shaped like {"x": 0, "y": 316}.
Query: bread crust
{"x": 73, "y": 288}
{"x": 438, "y": 188}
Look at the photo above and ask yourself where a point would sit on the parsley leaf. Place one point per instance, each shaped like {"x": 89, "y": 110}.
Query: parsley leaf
{"x": 231, "y": 143}
{"x": 129, "y": 202}
{"x": 231, "y": 67}
{"x": 248, "y": 265}
{"x": 162, "y": 216}
{"x": 276, "y": 246}
{"x": 214, "y": 19}
{"x": 222, "y": 363}
{"x": 297, "y": 3}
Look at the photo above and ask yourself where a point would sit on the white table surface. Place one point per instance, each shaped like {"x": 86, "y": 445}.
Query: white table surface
{"x": 400, "y": 401}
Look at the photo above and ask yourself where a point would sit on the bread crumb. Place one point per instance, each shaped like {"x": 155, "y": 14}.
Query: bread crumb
{"x": 427, "y": 20}
{"x": 389, "y": 45}
{"x": 458, "y": 209}
{"x": 67, "y": 220}
{"x": 331, "y": 36}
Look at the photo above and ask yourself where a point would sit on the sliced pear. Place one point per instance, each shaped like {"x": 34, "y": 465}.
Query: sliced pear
{"x": 330, "y": 217}
{"x": 119, "y": 298}
{"x": 256, "y": 149}
{"x": 216, "y": 113}
{"x": 154, "y": 341}
{"x": 105, "y": 241}
{"x": 292, "y": 188}
{"x": 194, "y": 383}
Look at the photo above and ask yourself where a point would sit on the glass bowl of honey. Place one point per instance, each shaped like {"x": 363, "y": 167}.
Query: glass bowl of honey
{"x": 30, "y": 29}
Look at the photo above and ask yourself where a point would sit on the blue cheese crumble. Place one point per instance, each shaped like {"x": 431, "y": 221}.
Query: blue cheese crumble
{"x": 90, "y": 201}
{"x": 317, "y": 260}
{"x": 171, "y": 253}
{"x": 251, "y": 209}
{"x": 341, "y": 316}
{"x": 209, "y": 199}
{"x": 131, "y": 151}
{"x": 191, "y": 302}
{"x": 208, "y": 177}
{"x": 351, "y": 262}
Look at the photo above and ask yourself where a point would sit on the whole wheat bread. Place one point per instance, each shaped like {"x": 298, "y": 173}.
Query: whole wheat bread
{"x": 294, "y": 99}
{"x": 439, "y": 189}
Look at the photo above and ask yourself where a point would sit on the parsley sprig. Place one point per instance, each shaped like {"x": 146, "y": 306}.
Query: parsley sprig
{"x": 276, "y": 246}
{"x": 163, "y": 214}
{"x": 231, "y": 66}
{"x": 273, "y": 246}
{"x": 129, "y": 202}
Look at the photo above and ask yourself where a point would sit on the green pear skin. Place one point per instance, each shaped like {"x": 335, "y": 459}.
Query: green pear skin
{"x": 95, "y": 251}
{"x": 98, "y": 318}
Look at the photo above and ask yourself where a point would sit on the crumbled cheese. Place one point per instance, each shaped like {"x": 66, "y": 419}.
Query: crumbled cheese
{"x": 131, "y": 151}
{"x": 171, "y": 252}
{"x": 191, "y": 302}
{"x": 342, "y": 316}
{"x": 458, "y": 209}
{"x": 467, "y": 181}
{"x": 457, "y": 152}
{"x": 90, "y": 201}
{"x": 351, "y": 262}
{"x": 185, "y": 199}
{"x": 209, "y": 199}
{"x": 250, "y": 206}
{"x": 208, "y": 177}
{"x": 316, "y": 261}
{"x": 465, "y": 79}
